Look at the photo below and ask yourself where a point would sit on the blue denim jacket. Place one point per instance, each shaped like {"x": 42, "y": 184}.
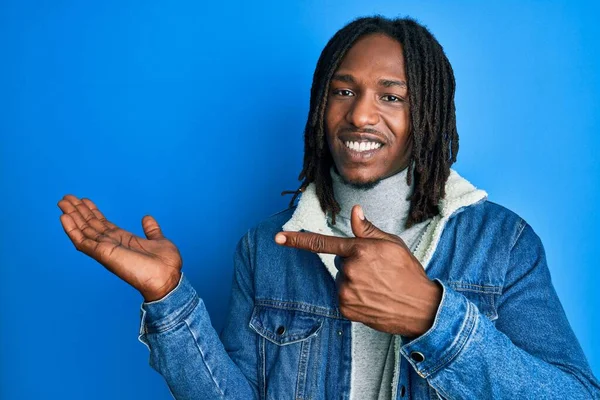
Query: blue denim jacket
{"x": 500, "y": 331}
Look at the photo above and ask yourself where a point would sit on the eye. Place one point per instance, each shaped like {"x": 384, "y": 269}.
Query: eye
{"x": 343, "y": 92}
{"x": 392, "y": 99}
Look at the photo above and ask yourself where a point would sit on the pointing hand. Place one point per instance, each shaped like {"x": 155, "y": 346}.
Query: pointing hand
{"x": 380, "y": 283}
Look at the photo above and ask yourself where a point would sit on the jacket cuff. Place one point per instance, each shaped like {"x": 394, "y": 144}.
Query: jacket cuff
{"x": 160, "y": 315}
{"x": 453, "y": 325}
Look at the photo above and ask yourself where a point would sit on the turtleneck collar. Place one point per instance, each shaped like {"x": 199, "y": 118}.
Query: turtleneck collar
{"x": 460, "y": 194}
{"x": 385, "y": 205}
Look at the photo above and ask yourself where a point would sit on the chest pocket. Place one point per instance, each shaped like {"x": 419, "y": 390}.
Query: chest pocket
{"x": 288, "y": 351}
{"x": 284, "y": 326}
{"x": 483, "y": 296}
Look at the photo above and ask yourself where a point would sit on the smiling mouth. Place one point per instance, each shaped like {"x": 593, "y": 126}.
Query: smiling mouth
{"x": 362, "y": 146}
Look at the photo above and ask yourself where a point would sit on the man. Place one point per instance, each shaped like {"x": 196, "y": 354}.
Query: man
{"x": 393, "y": 277}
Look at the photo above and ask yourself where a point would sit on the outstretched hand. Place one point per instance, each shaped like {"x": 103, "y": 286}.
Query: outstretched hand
{"x": 151, "y": 265}
{"x": 380, "y": 283}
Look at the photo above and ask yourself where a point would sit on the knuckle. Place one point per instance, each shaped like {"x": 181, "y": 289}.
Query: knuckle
{"x": 349, "y": 271}
{"x": 343, "y": 293}
{"x": 316, "y": 243}
{"x": 360, "y": 250}
{"x": 292, "y": 240}
{"x": 370, "y": 228}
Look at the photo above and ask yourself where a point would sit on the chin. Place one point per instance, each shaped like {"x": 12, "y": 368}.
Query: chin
{"x": 361, "y": 182}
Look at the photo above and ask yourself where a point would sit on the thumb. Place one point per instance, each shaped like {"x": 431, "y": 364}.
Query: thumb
{"x": 151, "y": 228}
{"x": 363, "y": 228}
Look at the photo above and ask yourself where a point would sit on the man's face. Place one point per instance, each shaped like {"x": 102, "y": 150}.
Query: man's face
{"x": 367, "y": 118}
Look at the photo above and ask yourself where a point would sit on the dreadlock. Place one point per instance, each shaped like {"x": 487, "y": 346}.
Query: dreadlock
{"x": 431, "y": 97}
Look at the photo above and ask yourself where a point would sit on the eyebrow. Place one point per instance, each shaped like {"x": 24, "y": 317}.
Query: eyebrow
{"x": 390, "y": 83}
{"x": 382, "y": 82}
{"x": 343, "y": 78}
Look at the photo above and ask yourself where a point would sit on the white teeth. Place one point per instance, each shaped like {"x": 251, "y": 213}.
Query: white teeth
{"x": 362, "y": 146}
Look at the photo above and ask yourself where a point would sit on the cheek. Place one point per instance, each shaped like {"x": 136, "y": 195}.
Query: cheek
{"x": 329, "y": 128}
{"x": 399, "y": 124}
{"x": 332, "y": 118}
{"x": 337, "y": 108}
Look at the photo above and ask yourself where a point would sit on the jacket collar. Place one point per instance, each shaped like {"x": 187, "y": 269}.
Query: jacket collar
{"x": 460, "y": 193}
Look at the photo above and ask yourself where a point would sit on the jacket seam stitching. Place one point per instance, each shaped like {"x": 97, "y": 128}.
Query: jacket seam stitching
{"x": 203, "y": 359}
{"x": 298, "y": 306}
{"x": 262, "y": 349}
{"x": 522, "y": 225}
{"x": 464, "y": 336}
{"x": 189, "y": 307}
{"x": 439, "y": 389}
{"x": 472, "y": 287}
{"x": 263, "y": 331}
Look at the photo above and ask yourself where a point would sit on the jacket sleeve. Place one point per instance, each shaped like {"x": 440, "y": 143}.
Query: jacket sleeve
{"x": 186, "y": 350}
{"x": 530, "y": 353}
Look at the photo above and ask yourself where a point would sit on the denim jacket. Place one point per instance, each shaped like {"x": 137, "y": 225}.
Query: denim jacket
{"x": 500, "y": 331}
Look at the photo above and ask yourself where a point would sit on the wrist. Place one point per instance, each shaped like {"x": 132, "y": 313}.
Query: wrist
{"x": 432, "y": 299}
{"x": 163, "y": 288}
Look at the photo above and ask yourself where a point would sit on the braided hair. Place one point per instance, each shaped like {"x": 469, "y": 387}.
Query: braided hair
{"x": 431, "y": 89}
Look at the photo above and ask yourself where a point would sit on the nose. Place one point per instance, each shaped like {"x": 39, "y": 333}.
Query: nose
{"x": 363, "y": 112}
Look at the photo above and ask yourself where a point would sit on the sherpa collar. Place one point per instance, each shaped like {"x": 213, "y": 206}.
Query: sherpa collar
{"x": 460, "y": 193}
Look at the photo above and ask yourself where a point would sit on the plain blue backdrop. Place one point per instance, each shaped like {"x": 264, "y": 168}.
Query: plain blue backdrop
{"x": 194, "y": 112}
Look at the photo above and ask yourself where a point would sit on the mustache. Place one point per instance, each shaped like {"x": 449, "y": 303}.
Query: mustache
{"x": 350, "y": 129}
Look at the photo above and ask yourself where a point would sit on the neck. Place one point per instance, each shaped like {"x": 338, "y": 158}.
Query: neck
{"x": 386, "y": 204}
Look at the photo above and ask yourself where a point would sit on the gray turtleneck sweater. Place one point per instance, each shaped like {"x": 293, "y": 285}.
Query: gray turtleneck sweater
{"x": 387, "y": 207}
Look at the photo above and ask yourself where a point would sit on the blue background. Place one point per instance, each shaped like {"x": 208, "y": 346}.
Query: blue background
{"x": 194, "y": 113}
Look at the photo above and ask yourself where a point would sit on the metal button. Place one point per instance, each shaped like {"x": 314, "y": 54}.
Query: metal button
{"x": 340, "y": 333}
{"x": 281, "y": 330}
{"x": 417, "y": 357}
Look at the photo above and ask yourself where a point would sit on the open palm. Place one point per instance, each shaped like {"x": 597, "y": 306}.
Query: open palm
{"x": 151, "y": 265}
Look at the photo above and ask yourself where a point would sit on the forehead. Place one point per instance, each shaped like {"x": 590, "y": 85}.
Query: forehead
{"x": 374, "y": 54}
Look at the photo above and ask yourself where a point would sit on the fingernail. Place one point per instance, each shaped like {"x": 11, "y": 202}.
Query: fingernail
{"x": 361, "y": 214}
{"x": 279, "y": 238}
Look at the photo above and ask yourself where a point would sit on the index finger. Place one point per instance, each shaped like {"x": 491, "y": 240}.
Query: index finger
{"x": 316, "y": 242}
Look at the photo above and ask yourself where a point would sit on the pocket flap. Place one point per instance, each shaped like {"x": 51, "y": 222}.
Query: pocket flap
{"x": 284, "y": 326}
